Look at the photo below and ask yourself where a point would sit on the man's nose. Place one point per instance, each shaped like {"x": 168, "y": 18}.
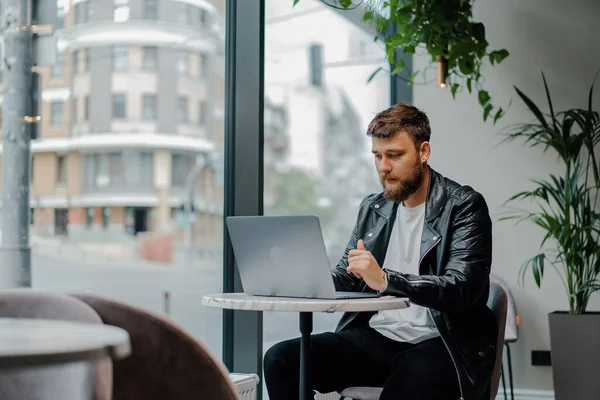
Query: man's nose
{"x": 385, "y": 165}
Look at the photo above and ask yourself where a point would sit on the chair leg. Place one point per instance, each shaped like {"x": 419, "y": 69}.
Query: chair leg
{"x": 510, "y": 375}
{"x": 503, "y": 380}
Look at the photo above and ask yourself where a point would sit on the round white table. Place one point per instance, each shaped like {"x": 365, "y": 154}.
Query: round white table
{"x": 35, "y": 342}
{"x": 245, "y": 302}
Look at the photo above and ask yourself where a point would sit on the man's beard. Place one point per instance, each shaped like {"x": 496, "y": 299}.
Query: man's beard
{"x": 401, "y": 190}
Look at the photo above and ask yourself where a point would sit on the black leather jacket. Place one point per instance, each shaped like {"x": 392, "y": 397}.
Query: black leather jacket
{"x": 453, "y": 280}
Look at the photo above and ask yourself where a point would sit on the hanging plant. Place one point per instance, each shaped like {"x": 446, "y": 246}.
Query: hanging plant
{"x": 445, "y": 30}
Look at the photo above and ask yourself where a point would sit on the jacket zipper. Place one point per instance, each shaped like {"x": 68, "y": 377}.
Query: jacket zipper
{"x": 462, "y": 396}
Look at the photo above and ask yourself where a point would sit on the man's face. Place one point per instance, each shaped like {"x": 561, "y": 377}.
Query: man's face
{"x": 399, "y": 164}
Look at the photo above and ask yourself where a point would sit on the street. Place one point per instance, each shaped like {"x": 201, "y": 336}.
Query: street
{"x": 144, "y": 285}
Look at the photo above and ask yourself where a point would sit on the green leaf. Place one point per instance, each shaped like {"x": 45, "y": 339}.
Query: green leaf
{"x": 345, "y": 3}
{"x": 400, "y": 65}
{"x": 465, "y": 66}
{"x": 498, "y": 114}
{"x": 368, "y": 16}
{"x": 484, "y": 97}
{"x": 382, "y": 24}
{"x": 486, "y": 111}
{"x": 478, "y": 31}
{"x": 373, "y": 74}
{"x": 498, "y": 56}
{"x": 412, "y": 78}
{"x": 533, "y": 108}
{"x": 296, "y": 2}
{"x": 409, "y": 50}
{"x": 469, "y": 81}
{"x": 403, "y": 15}
{"x": 453, "y": 89}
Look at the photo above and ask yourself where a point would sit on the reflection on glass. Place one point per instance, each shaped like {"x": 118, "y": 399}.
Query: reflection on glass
{"x": 317, "y": 107}
{"x": 132, "y": 130}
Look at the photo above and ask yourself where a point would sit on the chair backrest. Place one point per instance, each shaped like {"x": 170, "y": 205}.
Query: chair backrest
{"x": 497, "y": 302}
{"x": 166, "y": 361}
{"x": 86, "y": 380}
{"x": 511, "y": 333}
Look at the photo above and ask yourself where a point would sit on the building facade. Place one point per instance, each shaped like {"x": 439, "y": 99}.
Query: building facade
{"x": 132, "y": 119}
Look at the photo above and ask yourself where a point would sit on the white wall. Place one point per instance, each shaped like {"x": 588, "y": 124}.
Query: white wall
{"x": 562, "y": 38}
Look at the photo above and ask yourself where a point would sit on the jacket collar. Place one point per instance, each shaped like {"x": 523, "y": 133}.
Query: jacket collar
{"x": 436, "y": 199}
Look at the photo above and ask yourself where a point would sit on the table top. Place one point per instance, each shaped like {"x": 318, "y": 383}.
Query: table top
{"x": 33, "y": 342}
{"x": 242, "y": 301}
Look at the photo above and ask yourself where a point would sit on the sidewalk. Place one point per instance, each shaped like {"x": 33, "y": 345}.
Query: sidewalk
{"x": 117, "y": 254}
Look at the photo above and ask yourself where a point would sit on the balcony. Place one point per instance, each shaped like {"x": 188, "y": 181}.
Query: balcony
{"x": 140, "y": 32}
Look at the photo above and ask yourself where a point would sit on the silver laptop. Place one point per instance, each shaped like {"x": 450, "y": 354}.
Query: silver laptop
{"x": 284, "y": 256}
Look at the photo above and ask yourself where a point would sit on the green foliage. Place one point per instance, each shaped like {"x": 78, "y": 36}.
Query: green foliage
{"x": 440, "y": 27}
{"x": 566, "y": 205}
{"x": 295, "y": 193}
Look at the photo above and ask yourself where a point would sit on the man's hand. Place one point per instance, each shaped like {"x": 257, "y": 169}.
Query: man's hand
{"x": 362, "y": 264}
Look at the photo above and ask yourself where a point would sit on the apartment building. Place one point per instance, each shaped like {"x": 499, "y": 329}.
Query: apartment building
{"x": 132, "y": 111}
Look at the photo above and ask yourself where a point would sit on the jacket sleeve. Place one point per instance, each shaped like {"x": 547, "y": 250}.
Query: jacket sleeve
{"x": 466, "y": 272}
{"x": 342, "y": 280}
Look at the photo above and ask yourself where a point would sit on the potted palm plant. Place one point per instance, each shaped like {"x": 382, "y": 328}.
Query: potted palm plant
{"x": 566, "y": 208}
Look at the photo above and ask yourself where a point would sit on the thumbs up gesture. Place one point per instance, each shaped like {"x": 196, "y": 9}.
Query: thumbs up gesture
{"x": 362, "y": 264}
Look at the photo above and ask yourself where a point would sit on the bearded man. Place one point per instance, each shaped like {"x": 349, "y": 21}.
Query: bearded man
{"x": 424, "y": 237}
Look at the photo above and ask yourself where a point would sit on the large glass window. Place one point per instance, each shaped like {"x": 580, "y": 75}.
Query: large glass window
{"x": 317, "y": 108}
{"x": 123, "y": 234}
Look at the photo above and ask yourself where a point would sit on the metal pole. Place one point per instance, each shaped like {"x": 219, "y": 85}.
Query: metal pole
{"x": 15, "y": 252}
{"x": 188, "y": 196}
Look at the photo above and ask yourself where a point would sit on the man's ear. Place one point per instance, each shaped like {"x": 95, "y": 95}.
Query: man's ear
{"x": 424, "y": 151}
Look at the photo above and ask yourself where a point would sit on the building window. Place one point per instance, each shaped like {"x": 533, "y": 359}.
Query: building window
{"x": 181, "y": 165}
{"x": 118, "y": 106}
{"x": 61, "y": 169}
{"x": 86, "y": 56}
{"x": 183, "y": 13}
{"x": 60, "y": 17}
{"x": 150, "y": 58}
{"x": 204, "y": 65}
{"x": 83, "y": 12}
{"x": 75, "y": 55}
{"x": 203, "y": 18}
{"x": 79, "y": 13}
{"x": 58, "y": 70}
{"x": 182, "y": 110}
{"x": 120, "y": 56}
{"x": 56, "y": 112}
{"x": 121, "y": 13}
{"x": 89, "y": 217}
{"x": 149, "y": 107}
{"x": 182, "y": 62}
{"x": 150, "y": 10}
{"x": 105, "y": 170}
{"x": 86, "y": 108}
{"x": 202, "y": 108}
{"x": 74, "y": 110}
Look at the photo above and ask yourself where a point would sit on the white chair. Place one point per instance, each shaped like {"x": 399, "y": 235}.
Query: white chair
{"x": 511, "y": 334}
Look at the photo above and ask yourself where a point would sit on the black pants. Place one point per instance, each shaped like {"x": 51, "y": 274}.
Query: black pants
{"x": 363, "y": 357}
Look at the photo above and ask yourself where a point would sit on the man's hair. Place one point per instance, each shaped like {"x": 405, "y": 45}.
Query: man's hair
{"x": 401, "y": 117}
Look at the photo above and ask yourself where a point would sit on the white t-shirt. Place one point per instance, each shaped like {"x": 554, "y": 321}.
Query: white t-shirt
{"x": 412, "y": 324}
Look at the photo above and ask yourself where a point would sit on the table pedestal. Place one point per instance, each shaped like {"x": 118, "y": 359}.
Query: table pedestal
{"x": 306, "y": 327}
